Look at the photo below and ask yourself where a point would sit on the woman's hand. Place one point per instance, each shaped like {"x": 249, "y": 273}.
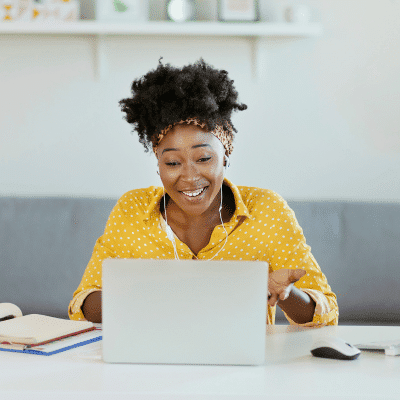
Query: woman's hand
{"x": 280, "y": 284}
{"x": 91, "y": 307}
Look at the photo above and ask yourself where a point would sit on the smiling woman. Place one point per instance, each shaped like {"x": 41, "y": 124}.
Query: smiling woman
{"x": 184, "y": 116}
{"x": 191, "y": 169}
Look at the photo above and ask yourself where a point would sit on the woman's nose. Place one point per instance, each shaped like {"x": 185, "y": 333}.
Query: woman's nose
{"x": 190, "y": 172}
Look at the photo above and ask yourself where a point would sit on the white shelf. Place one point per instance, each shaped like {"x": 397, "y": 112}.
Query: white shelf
{"x": 257, "y": 32}
{"x": 255, "y": 29}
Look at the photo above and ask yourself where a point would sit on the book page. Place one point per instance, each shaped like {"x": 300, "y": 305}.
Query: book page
{"x": 35, "y": 328}
{"x": 7, "y": 309}
{"x": 69, "y": 341}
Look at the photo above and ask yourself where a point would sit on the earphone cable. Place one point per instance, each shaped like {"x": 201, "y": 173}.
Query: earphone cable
{"x": 223, "y": 225}
{"x": 171, "y": 237}
{"x": 170, "y": 233}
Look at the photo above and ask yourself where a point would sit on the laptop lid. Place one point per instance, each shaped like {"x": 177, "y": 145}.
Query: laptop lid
{"x": 184, "y": 311}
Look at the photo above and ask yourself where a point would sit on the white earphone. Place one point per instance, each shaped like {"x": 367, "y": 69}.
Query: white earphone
{"x": 227, "y": 163}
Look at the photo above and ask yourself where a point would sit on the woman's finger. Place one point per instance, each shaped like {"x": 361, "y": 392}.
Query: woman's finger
{"x": 272, "y": 300}
{"x": 296, "y": 274}
{"x": 286, "y": 292}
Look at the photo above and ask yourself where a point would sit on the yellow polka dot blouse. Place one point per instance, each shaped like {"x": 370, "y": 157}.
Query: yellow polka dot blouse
{"x": 263, "y": 228}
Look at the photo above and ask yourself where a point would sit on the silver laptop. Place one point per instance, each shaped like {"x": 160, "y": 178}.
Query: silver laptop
{"x": 184, "y": 311}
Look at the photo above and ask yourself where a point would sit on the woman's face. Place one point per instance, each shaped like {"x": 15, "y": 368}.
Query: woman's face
{"x": 191, "y": 167}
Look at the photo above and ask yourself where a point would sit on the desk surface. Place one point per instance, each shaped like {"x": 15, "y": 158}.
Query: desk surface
{"x": 290, "y": 371}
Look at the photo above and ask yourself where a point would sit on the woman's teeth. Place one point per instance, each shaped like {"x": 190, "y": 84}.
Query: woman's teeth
{"x": 194, "y": 193}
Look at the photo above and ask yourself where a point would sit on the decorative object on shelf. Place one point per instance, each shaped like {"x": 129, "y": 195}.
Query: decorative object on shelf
{"x": 15, "y": 10}
{"x": 122, "y": 10}
{"x": 238, "y": 10}
{"x": 55, "y": 10}
{"x": 69, "y": 10}
{"x": 39, "y": 10}
{"x": 44, "y": 11}
{"x": 180, "y": 10}
{"x": 299, "y": 14}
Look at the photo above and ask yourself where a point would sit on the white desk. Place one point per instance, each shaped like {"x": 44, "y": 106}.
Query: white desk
{"x": 289, "y": 372}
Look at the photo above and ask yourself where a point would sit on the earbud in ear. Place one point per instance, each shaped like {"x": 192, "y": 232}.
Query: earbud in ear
{"x": 227, "y": 162}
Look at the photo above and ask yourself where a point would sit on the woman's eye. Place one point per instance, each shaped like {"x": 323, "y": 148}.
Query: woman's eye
{"x": 175, "y": 163}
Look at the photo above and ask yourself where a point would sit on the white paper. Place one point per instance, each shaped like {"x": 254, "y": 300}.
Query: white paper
{"x": 35, "y": 328}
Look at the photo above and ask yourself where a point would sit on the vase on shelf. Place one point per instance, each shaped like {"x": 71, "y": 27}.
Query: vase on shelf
{"x": 298, "y": 14}
{"x": 180, "y": 10}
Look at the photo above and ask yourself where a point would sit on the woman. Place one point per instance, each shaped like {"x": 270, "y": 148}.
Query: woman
{"x": 184, "y": 116}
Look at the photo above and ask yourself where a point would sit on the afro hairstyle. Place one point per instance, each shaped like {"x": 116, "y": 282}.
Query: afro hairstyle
{"x": 168, "y": 95}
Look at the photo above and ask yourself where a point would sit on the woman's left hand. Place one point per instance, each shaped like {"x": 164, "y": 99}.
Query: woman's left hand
{"x": 280, "y": 284}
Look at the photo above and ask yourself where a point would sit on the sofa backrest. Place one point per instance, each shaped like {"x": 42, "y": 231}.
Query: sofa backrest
{"x": 357, "y": 245}
{"x": 46, "y": 243}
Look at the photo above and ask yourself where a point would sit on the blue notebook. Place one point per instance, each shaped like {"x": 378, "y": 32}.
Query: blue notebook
{"x": 56, "y": 346}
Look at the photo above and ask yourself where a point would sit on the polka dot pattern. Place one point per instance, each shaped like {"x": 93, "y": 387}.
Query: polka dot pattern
{"x": 263, "y": 228}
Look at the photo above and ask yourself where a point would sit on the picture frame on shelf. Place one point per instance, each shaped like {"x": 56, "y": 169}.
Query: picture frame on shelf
{"x": 238, "y": 10}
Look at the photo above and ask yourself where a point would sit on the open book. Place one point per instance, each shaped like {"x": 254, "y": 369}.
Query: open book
{"x": 36, "y": 331}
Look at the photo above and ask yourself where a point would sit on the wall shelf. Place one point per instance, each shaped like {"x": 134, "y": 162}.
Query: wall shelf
{"x": 256, "y": 32}
{"x": 255, "y": 29}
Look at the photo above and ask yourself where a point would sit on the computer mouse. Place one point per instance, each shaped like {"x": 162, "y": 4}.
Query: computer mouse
{"x": 334, "y": 347}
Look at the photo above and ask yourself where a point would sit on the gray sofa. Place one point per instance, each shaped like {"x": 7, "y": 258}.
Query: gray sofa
{"x": 46, "y": 243}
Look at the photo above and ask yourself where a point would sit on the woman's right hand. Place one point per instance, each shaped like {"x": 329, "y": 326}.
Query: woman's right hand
{"x": 280, "y": 284}
{"x": 91, "y": 307}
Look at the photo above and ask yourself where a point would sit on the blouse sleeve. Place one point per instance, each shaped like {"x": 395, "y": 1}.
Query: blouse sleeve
{"x": 289, "y": 250}
{"x": 91, "y": 280}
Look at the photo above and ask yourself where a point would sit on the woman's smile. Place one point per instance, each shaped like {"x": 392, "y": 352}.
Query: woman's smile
{"x": 195, "y": 195}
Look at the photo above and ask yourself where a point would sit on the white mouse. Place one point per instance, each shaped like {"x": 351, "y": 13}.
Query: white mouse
{"x": 334, "y": 347}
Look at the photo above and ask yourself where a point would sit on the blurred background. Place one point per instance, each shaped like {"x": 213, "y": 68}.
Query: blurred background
{"x": 323, "y": 117}
{"x": 322, "y": 121}
{"x": 322, "y": 129}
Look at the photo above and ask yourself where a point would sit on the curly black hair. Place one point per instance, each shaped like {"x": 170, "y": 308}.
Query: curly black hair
{"x": 168, "y": 95}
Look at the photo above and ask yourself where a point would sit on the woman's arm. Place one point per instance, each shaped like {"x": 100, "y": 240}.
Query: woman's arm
{"x": 299, "y": 306}
{"x": 91, "y": 307}
{"x": 312, "y": 302}
{"x": 91, "y": 279}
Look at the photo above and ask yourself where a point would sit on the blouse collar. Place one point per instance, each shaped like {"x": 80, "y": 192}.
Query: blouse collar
{"x": 241, "y": 209}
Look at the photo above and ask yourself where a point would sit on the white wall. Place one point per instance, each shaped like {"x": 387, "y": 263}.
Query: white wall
{"x": 323, "y": 123}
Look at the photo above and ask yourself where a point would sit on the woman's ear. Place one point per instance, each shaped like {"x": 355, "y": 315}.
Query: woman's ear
{"x": 226, "y": 161}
